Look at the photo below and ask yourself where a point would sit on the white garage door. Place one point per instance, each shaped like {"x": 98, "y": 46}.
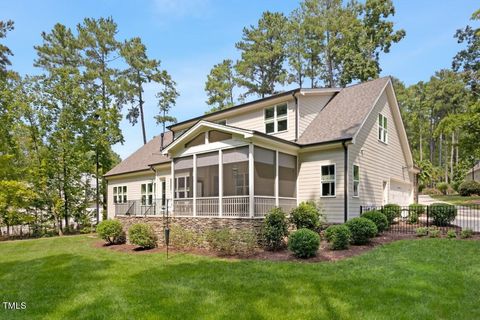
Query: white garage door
{"x": 399, "y": 193}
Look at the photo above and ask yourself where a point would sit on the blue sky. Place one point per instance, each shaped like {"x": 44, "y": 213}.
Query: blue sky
{"x": 190, "y": 36}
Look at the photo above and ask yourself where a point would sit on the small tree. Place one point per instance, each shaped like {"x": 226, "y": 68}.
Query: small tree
{"x": 275, "y": 229}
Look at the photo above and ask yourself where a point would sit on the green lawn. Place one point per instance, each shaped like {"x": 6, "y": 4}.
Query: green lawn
{"x": 67, "y": 278}
{"x": 458, "y": 200}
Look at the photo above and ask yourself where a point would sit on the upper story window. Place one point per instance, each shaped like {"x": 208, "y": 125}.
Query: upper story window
{"x": 148, "y": 190}
{"x": 327, "y": 180}
{"x": 276, "y": 119}
{"x": 215, "y": 136}
{"x": 198, "y": 140}
{"x": 120, "y": 194}
{"x": 382, "y": 128}
{"x": 356, "y": 180}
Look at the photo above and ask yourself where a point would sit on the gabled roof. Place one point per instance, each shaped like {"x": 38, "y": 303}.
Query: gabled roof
{"x": 343, "y": 116}
{"x": 147, "y": 155}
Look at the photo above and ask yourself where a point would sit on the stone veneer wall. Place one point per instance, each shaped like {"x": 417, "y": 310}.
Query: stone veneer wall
{"x": 193, "y": 224}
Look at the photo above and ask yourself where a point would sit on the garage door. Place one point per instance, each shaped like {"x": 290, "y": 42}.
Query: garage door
{"x": 399, "y": 193}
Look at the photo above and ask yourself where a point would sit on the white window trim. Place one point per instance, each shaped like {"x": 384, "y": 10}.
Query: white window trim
{"x": 334, "y": 180}
{"x": 177, "y": 189}
{"x": 353, "y": 179}
{"x": 120, "y": 194}
{"x": 275, "y": 119}
{"x": 147, "y": 193}
{"x": 382, "y": 129}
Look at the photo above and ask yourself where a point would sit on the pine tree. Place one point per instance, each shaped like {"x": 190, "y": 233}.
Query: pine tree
{"x": 219, "y": 86}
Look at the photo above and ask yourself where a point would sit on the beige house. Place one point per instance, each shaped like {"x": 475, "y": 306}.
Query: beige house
{"x": 473, "y": 173}
{"x": 342, "y": 147}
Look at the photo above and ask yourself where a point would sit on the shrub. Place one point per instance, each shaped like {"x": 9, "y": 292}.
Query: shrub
{"x": 434, "y": 233}
{"x": 306, "y": 215}
{"x": 245, "y": 242}
{"x": 431, "y": 191}
{"x": 275, "y": 229}
{"x": 422, "y": 231}
{"x": 391, "y": 211}
{"x": 469, "y": 188}
{"x": 362, "y": 230}
{"x": 378, "y": 218}
{"x": 442, "y": 187}
{"x": 338, "y": 236}
{"x": 142, "y": 235}
{"x": 442, "y": 214}
{"x": 414, "y": 211}
{"x": 451, "y": 234}
{"x": 231, "y": 242}
{"x": 110, "y": 231}
{"x": 304, "y": 243}
{"x": 466, "y": 233}
{"x": 86, "y": 230}
{"x": 183, "y": 238}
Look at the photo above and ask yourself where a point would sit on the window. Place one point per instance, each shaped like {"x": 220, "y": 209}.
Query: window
{"x": 276, "y": 119}
{"x": 235, "y": 172}
{"x": 148, "y": 190}
{"x": 183, "y": 173}
{"x": 207, "y": 175}
{"x": 198, "y": 140}
{"x": 287, "y": 175}
{"x": 264, "y": 166}
{"x": 164, "y": 192}
{"x": 356, "y": 180}
{"x": 382, "y": 128}
{"x": 327, "y": 180}
{"x": 215, "y": 136}
{"x": 120, "y": 194}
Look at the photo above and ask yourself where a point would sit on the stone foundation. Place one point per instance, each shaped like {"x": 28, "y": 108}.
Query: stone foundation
{"x": 193, "y": 225}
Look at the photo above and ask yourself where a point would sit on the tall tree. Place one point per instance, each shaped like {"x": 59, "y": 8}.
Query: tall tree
{"x": 5, "y": 26}
{"x": 141, "y": 70}
{"x": 219, "y": 86}
{"x": 261, "y": 65}
{"x": 166, "y": 100}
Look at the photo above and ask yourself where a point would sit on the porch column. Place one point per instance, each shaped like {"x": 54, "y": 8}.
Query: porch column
{"x": 251, "y": 174}
{"x": 276, "y": 179}
{"x": 172, "y": 187}
{"x": 194, "y": 185}
{"x": 220, "y": 183}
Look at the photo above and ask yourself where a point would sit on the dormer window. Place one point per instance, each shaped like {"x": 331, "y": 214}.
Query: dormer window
{"x": 276, "y": 119}
{"x": 382, "y": 128}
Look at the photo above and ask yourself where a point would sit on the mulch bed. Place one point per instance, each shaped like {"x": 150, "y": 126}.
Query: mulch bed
{"x": 324, "y": 254}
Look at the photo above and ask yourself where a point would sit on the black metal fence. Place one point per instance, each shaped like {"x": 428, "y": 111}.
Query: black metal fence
{"x": 440, "y": 216}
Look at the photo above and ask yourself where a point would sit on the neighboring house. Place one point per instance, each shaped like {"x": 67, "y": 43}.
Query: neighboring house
{"x": 473, "y": 173}
{"x": 341, "y": 147}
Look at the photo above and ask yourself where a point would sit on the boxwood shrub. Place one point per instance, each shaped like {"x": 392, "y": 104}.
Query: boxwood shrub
{"x": 391, "y": 211}
{"x": 416, "y": 210}
{"x": 466, "y": 233}
{"x": 378, "y": 218}
{"x": 275, "y": 229}
{"x": 469, "y": 188}
{"x": 362, "y": 230}
{"x": 442, "y": 213}
{"x": 304, "y": 243}
{"x": 306, "y": 215}
{"x": 111, "y": 231}
{"x": 142, "y": 235}
{"x": 338, "y": 236}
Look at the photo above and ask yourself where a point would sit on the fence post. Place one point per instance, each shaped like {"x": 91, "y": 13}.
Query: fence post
{"x": 428, "y": 212}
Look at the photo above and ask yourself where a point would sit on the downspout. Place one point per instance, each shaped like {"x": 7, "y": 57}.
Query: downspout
{"x": 297, "y": 118}
{"x": 345, "y": 181}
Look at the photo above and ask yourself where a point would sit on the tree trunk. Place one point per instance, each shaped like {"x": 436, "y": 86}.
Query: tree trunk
{"x": 452, "y": 151}
{"x": 440, "y": 146}
{"x": 140, "y": 99}
{"x": 421, "y": 146}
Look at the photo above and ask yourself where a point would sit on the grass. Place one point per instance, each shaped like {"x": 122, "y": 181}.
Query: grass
{"x": 68, "y": 278}
{"x": 457, "y": 199}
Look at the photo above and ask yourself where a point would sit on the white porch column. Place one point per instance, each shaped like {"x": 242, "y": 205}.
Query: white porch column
{"x": 172, "y": 188}
{"x": 220, "y": 183}
{"x": 194, "y": 185}
{"x": 251, "y": 174}
{"x": 276, "y": 179}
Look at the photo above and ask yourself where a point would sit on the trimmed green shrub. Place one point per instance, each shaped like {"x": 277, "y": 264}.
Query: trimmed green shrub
{"x": 469, "y": 188}
{"x": 378, "y": 218}
{"x": 466, "y": 233}
{"x": 451, "y": 234}
{"x": 304, "y": 243}
{"x": 110, "y": 231}
{"x": 246, "y": 241}
{"x": 338, "y": 236}
{"x": 275, "y": 229}
{"x": 362, "y": 230}
{"x": 421, "y": 232}
{"x": 142, "y": 235}
{"x": 221, "y": 240}
{"x": 306, "y": 215}
{"x": 434, "y": 233}
{"x": 431, "y": 191}
{"x": 442, "y": 187}
{"x": 391, "y": 211}
{"x": 183, "y": 238}
{"x": 416, "y": 210}
{"x": 442, "y": 213}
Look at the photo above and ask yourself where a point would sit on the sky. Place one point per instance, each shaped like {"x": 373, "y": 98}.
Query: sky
{"x": 190, "y": 36}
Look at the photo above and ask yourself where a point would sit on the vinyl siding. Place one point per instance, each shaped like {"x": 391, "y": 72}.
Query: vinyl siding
{"x": 255, "y": 120}
{"x": 379, "y": 161}
{"x": 309, "y": 107}
{"x": 309, "y": 181}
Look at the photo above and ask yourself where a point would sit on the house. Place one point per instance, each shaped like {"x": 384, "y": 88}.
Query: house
{"x": 342, "y": 147}
{"x": 473, "y": 173}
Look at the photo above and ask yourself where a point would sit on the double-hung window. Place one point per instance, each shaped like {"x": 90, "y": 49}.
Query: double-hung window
{"x": 120, "y": 194}
{"x": 382, "y": 128}
{"x": 148, "y": 190}
{"x": 276, "y": 118}
{"x": 356, "y": 180}
{"x": 182, "y": 187}
{"x": 327, "y": 180}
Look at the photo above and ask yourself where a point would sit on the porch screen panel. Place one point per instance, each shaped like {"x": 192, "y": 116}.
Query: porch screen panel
{"x": 235, "y": 172}
{"x": 183, "y": 173}
{"x": 287, "y": 175}
{"x": 207, "y": 175}
{"x": 264, "y": 181}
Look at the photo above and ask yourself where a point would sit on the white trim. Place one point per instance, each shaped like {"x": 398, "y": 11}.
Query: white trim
{"x": 276, "y": 192}
{"x": 353, "y": 181}
{"x": 328, "y": 181}
{"x": 120, "y": 195}
{"x": 194, "y": 185}
{"x": 382, "y": 130}
{"x": 220, "y": 183}
{"x": 251, "y": 185}
{"x": 275, "y": 118}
